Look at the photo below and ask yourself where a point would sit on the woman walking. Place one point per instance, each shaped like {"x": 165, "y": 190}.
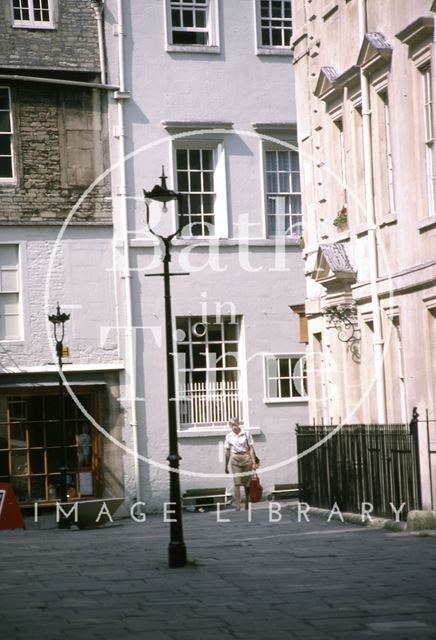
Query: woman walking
{"x": 239, "y": 452}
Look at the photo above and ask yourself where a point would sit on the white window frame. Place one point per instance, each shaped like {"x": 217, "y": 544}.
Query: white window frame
{"x": 267, "y": 147}
{"x": 384, "y": 96}
{"x": 5, "y": 179}
{"x": 428, "y": 139}
{"x": 221, "y": 226}
{"x": 32, "y": 23}
{"x": 17, "y": 292}
{"x": 203, "y": 398}
{"x": 212, "y": 28}
{"x": 270, "y": 49}
{"x": 298, "y": 357}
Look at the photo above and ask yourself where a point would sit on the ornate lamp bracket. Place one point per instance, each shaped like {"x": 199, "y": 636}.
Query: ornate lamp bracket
{"x": 343, "y": 318}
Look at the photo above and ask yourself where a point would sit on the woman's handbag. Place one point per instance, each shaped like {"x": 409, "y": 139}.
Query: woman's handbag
{"x": 255, "y": 489}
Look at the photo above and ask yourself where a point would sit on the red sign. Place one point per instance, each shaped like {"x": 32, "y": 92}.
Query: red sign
{"x": 10, "y": 513}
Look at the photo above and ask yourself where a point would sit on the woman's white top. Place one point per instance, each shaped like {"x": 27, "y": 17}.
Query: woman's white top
{"x": 238, "y": 443}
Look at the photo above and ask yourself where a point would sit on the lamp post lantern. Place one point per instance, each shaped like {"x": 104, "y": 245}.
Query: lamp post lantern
{"x": 176, "y": 547}
{"x": 58, "y": 320}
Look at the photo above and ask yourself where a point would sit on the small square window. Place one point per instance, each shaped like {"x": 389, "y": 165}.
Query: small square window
{"x": 286, "y": 377}
{"x": 274, "y": 18}
{"x": 192, "y": 23}
{"x": 33, "y": 14}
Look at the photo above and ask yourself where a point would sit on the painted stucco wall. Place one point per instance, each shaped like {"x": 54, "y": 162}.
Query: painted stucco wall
{"x": 235, "y": 88}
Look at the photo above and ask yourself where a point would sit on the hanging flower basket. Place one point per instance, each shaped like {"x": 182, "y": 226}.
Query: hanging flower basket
{"x": 341, "y": 219}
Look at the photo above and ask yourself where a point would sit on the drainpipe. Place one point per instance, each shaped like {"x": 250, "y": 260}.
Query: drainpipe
{"x": 131, "y": 381}
{"x": 378, "y": 342}
{"x": 98, "y": 6}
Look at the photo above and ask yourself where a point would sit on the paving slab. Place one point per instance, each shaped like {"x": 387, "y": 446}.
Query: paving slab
{"x": 246, "y": 580}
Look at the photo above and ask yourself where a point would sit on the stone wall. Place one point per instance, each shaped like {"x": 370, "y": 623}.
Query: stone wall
{"x": 59, "y": 144}
{"x": 72, "y": 45}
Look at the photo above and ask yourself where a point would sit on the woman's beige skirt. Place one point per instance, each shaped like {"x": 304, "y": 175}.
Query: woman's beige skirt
{"x": 240, "y": 463}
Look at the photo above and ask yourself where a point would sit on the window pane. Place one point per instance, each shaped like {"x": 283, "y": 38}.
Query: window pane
{"x": 175, "y": 18}
{"x": 4, "y": 99}
{"x": 6, "y": 167}
{"x": 271, "y": 161}
{"x": 188, "y": 19}
{"x": 195, "y": 204}
{"x": 208, "y": 203}
{"x": 271, "y": 183}
{"x": 284, "y": 161}
{"x": 207, "y": 158}
{"x": 182, "y": 158}
{"x": 284, "y": 367}
{"x": 296, "y": 184}
{"x": 8, "y": 255}
{"x": 4, "y": 437}
{"x": 195, "y": 159}
{"x": 8, "y": 304}
{"x": 5, "y": 122}
{"x": 285, "y": 389}
{"x": 190, "y": 37}
{"x": 195, "y": 181}
{"x": 200, "y": 19}
{"x": 273, "y": 391}
{"x": 182, "y": 181}
{"x": 8, "y": 281}
{"x": 207, "y": 182}
{"x": 284, "y": 185}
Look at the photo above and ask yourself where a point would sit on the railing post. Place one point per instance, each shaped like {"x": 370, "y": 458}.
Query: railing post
{"x": 415, "y": 437}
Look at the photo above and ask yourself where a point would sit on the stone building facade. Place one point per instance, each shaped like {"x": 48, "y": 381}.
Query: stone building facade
{"x": 366, "y": 110}
{"x": 56, "y": 247}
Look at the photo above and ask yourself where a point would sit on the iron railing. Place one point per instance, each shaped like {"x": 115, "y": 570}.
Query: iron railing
{"x": 373, "y": 463}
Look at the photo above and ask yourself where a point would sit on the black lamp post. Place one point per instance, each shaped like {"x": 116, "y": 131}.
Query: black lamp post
{"x": 176, "y": 547}
{"x": 59, "y": 319}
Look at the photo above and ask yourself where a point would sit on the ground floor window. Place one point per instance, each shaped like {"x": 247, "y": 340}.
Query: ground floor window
{"x": 209, "y": 372}
{"x": 31, "y": 451}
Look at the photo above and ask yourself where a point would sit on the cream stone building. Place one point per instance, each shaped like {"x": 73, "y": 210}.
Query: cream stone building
{"x": 365, "y": 101}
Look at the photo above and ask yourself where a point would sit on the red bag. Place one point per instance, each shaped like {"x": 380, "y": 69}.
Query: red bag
{"x": 255, "y": 489}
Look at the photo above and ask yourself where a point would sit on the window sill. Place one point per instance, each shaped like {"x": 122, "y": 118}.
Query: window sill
{"x": 179, "y": 48}
{"x": 204, "y": 432}
{"x": 388, "y": 219}
{"x": 427, "y": 224}
{"x": 285, "y": 400}
{"x": 34, "y": 25}
{"x": 8, "y": 182}
{"x": 330, "y": 10}
{"x": 274, "y": 51}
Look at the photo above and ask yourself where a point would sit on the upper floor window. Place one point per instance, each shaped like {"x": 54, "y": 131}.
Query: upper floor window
{"x": 32, "y": 13}
{"x": 283, "y": 193}
{"x": 192, "y": 23}
{"x": 427, "y": 116}
{"x": 9, "y": 293}
{"x": 6, "y": 132}
{"x": 274, "y": 23}
{"x": 200, "y": 171}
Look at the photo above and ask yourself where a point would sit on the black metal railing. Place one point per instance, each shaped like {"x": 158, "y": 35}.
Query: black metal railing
{"x": 374, "y": 463}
